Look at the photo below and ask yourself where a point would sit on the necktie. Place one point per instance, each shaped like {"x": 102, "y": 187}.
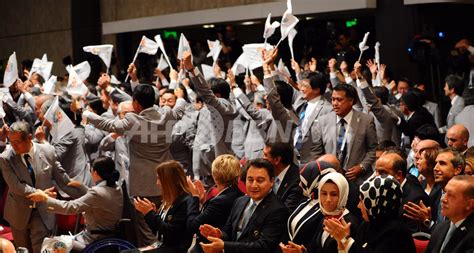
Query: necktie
{"x": 440, "y": 218}
{"x": 448, "y": 236}
{"x": 30, "y": 168}
{"x": 299, "y": 128}
{"x": 246, "y": 216}
{"x": 341, "y": 152}
{"x": 276, "y": 185}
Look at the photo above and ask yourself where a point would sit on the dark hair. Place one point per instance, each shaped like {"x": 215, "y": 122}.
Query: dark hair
{"x": 260, "y": 163}
{"x": 105, "y": 167}
{"x": 317, "y": 80}
{"x": 286, "y": 93}
{"x": 96, "y": 105}
{"x": 395, "y": 150}
{"x": 144, "y": 94}
{"x": 406, "y": 80}
{"x": 455, "y": 82}
{"x": 399, "y": 164}
{"x": 349, "y": 90}
{"x": 458, "y": 159}
{"x": 428, "y": 132}
{"x": 75, "y": 117}
{"x": 282, "y": 150}
{"x": 219, "y": 86}
{"x": 384, "y": 145}
{"x": 410, "y": 99}
{"x": 167, "y": 90}
{"x": 382, "y": 93}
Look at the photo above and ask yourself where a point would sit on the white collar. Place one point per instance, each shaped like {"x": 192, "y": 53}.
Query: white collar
{"x": 347, "y": 118}
{"x": 454, "y": 99}
{"x": 409, "y": 116}
{"x": 457, "y": 224}
{"x": 403, "y": 182}
{"x": 283, "y": 173}
{"x": 315, "y": 100}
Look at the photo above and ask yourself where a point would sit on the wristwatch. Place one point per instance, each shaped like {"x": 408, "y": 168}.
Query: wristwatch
{"x": 344, "y": 240}
{"x": 427, "y": 223}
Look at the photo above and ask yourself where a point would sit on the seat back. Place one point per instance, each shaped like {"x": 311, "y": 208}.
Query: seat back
{"x": 421, "y": 241}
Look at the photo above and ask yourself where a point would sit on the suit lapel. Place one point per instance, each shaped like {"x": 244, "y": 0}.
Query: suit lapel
{"x": 239, "y": 210}
{"x": 256, "y": 214}
{"x": 459, "y": 233}
{"x": 313, "y": 116}
{"x": 332, "y": 132}
{"x": 21, "y": 169}
{"x": 352, "y": 134}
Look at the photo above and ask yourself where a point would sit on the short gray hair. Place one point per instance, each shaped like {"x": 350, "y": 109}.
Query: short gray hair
{"x": 458, "y": 159}
{"x": 22, "y": 127}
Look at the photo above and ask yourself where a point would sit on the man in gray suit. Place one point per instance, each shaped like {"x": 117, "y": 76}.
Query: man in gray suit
{"x": 453, "y": 89}
{"x": 465, "y": 117}
{"x": 348, "y": 133}
{"x": 148, "y": 130}
{"x": 26, "y": 167}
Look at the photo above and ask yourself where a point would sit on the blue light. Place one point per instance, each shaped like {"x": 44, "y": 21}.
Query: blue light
{"x": 409, "y": 49}
{"x": 441, "y": 34}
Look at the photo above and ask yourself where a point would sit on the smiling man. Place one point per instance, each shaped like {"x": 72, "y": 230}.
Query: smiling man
{"x": 257, "y": 220}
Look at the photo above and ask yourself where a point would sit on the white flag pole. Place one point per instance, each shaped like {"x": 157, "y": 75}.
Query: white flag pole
{"x": 133, "y": 61}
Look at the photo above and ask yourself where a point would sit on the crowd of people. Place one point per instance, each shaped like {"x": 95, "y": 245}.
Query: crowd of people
{"x": 341, "y": 160}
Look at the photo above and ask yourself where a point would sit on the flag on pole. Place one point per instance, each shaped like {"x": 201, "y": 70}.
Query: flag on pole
{"x": 363, "y": 45}
{"x": 162, "y": 48}
{"x": 2, "y": 112}
{"x": 11, "y": 71}
{"x": 251, "y": 57}
{"x": 162, "y": 65}
{"x": 215, "y": 48}
{"x": 378, "y": 78}
{"x": 75, "y": 86}
{"x": 61, "y": 124}
{"x": 291, "y": 37}
{"x": 42, "y": 67}
{"x": 114, "y": 80}
{"x": 284, "y": 71}
{"x": 49, "y": 85}
{"x": 288, "y": 21}
{"x": 270, "y": 27}
{"x": 82, "y": 69}
{"x": 183, "y": 46}
{"x": 147, "y": 46}
{"x": 103, "y": 51}
{"x": 208, "y": 71}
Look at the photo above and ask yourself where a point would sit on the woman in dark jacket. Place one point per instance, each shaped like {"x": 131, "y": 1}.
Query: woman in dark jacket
{"x": 169, "y": 220}
{"x": 382, "y": 231}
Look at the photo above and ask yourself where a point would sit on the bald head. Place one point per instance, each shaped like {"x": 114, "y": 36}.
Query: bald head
{"x": 6, "y": 246}
{"x": 331, "y": 159}
{"x": 422, "y": 145}
{"x": 391, "y": 164}
{"x": 458, "y": 136}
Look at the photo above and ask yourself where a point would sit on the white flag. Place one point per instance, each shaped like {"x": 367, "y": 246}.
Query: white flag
{"x": 42, "y": 67}
{"x": 2, "y": 112}
{"x": 148, "y": 46}
{"x": 61, "y": 124}
{"x": 240, "y": 65}
{"x": 44, "y": 58}
{"x": 288, "y": 22}
{"x": 283, "y": 70}
{"x": 363, "y": 45}
{"x": 215, "y": 48}
{"x": 49, "y": 85}
{"x": 162, "y": 65}
{"x": 270, "y": 28}
{"x": 75, "y": 86}
{"x": 11, "y": 71}
{"x": 251, "y": 57}
{"x": 291, "y": 37}
{"x": 289, "y": 6}
{"x": 377, "y": 53}
{"x": 208, "y": 71}
{"x": 103, "y": 51}
{"x": 183, "y": 46}
{"x": 114, "y": 80}
{"x": 82, "y": 69}
{"x": 162, "y": 48}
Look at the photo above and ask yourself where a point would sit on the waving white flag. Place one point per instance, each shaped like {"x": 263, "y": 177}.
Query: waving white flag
{"x": 284, "y": 71}
{"x": 378, "y": 78}
{"x": 215, "y": 48}
{"x": 183, "y": 46}
{"x": 363, "y": 45}
{"x": 147, "y": 46}
{"x": 291, "y": 37}
{"x": 82, "y": 69}
{"x": 61, "y": 123}
{"x": 49, "y": 85}
{"x": 162, "y": 48}
{"x": 288, "y": 22}
{"x": 103, "y": 51}
{"x": 114, "y": 80}
{"x": 162, "y": 65}
{"x": 75, "y": 86}
{"x": 11, "y": 71}
{"x": 42, "y": 67}
{"x": 251, "y": 57}
{"x": 270, "y": 27}
{"x": 2, "y": 112}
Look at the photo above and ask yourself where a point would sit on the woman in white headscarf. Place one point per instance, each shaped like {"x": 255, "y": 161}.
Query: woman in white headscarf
{"x": 333, "y": 194}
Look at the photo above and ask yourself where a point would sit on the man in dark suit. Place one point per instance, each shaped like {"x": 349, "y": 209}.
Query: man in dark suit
{"x": 287, "y": 176}
{"x": 256, "y": 222}
{"x": 393, "y": 164}
{"x": 347, "y": 133}
{"x": 28, "y": 166}
{"x": 456, "y": 234}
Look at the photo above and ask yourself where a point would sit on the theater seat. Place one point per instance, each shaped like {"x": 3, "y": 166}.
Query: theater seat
{"x": 421, "y": 240}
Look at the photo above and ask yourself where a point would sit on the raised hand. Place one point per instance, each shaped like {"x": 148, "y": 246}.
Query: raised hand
{"x": 132, "y": 72}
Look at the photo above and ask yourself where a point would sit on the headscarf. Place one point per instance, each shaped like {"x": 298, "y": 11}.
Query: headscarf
{"x": 381, "y": 196}
{"x": 310, "y": 174}
{"x": 341, "y": 182}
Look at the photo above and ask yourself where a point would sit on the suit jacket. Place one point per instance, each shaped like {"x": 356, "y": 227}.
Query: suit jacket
{"x": 48, "y": 172}
{"x": 149, "y": 136}
{"x": 455, "y": 109}
{"x": 361, "y": 143}
{"x": 172, "y": 230}
{"x": 435, "y": 200}
{"x": 420, "y": 117}
{"x": 413, "y": 192}
{"x": 214, "y": 126}
{"x": 433, "y": 108}
{"x": 102, "y": 208}
{"x": 264, "y": 228}
{"x": 214, "y": 212}
{"x": 289, "y": 190}
{"x": 305, "y": 228}
{"x": 385, "y": 119}
{"x": 465, "y": 118}
{"x": 71, "y": 153}
{"x": 323, "y": 107}
{"x": 462, "y": 241}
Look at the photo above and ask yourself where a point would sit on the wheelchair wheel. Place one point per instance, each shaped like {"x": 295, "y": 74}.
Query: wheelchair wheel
{"x": 108, "y": 245}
